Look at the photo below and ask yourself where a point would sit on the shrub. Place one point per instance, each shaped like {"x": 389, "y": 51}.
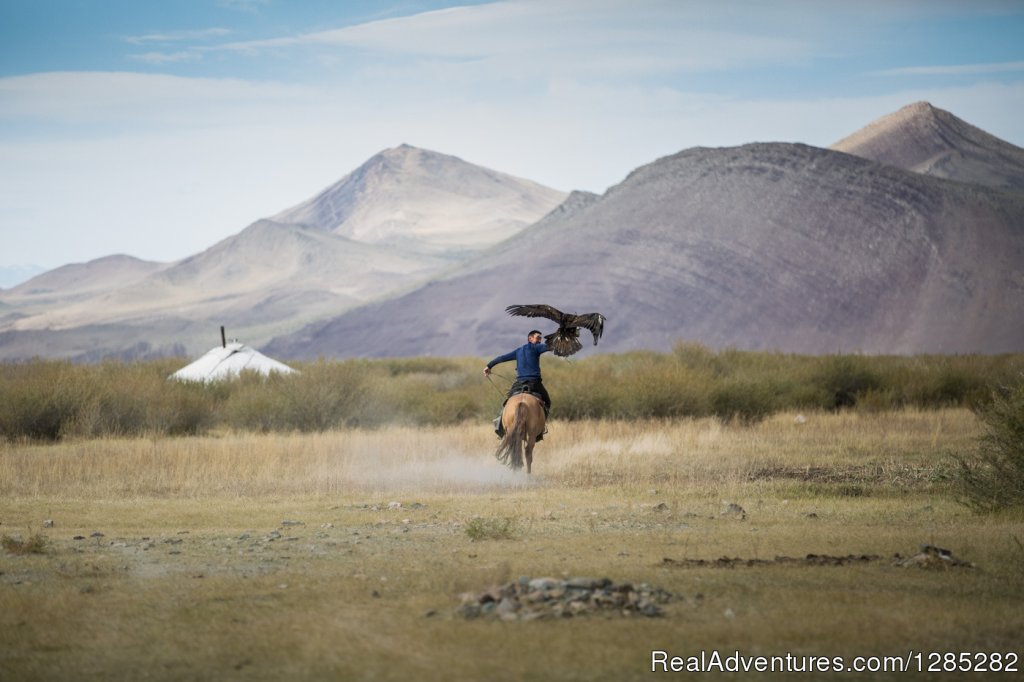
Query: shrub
{"x": 743, "y": 401}
{"x": 994, "y": 478}
{"x": 36, "y": 544}
{"x": 41, "y": 400}
{"x": 845, "y": 379}
{"x": 50, "y": 400}
{"x": 478, "y": 528}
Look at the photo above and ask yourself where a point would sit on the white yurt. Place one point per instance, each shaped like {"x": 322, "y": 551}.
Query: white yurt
{"x": 227, "y": 361}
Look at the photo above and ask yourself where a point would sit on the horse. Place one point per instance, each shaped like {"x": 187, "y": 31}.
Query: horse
{"x": 523, "y": 419}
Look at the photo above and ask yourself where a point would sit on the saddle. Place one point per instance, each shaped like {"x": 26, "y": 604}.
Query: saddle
{"x": 526, "y": 387}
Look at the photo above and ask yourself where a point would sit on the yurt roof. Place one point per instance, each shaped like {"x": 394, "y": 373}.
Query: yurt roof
{"x": 227, "y": 361}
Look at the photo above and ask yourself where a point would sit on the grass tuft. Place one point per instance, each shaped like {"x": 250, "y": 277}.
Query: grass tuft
{"x": 36, "y": 544}
{"x": 479, "y": 528}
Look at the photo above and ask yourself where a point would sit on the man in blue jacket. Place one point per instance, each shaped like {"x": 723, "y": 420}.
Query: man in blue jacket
{"x": 528, "y": 378}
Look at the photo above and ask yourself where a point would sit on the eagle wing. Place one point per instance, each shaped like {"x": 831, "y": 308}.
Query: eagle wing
{"x": 591, "y": 321}
{"x": 566, "y": 339}
{"x": 537, "y": 310}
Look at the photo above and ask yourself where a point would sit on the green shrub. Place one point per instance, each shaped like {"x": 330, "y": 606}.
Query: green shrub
{"x": 49, "y": 400}
{"x": 743, "y": 401}
{"x": 479, "y": 528}
{"x": 993, "y": 479}
{"x": 844, "y": 379}
{"x": 36, "y": 544}
{"x": 41, "y": 400}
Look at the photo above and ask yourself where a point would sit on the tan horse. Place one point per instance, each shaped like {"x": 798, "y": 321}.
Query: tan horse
{"x": 523, "y": 418}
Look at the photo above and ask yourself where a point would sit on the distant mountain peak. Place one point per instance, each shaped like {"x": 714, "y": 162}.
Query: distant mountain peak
{"x": 925, "y": 139}
{"x": 425, "y": 201}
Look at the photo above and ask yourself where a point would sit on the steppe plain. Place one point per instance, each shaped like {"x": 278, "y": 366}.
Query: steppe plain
{"x": 345, "y": 554}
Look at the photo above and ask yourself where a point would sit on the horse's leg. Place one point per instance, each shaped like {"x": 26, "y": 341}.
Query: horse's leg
{"x": 531, "y": 440}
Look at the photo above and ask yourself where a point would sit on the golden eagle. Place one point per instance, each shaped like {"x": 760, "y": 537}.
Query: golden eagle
{"x": 566, "y": 339}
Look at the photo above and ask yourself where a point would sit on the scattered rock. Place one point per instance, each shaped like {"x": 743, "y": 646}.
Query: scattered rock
{"x": 394, "y": 505}
{"x": 48, "y": 523}
{"x": 96, "y": 534}
{"x": 733, "y": 509}
{"x": 288, "y": 522}
{"x": 531, "y": 599}
{"x": 809, "y": 560}
{"x": 932, "y": 557}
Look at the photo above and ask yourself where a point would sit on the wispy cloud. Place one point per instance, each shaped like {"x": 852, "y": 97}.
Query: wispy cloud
{"x": 953, "y": 69}
{"x": 166, "y": 57}
{"x": 596, "y": 36}
{"x": 178, "y": 36}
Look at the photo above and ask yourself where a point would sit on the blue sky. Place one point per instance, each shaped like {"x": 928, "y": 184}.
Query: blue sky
{"x": 158, "y": 128}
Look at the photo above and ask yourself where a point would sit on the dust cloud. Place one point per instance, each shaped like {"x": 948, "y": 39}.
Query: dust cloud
{"x": 432, "y": 472}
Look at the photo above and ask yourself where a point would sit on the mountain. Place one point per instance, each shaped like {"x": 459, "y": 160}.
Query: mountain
{"x": 77, "y": 279}
{"x": 69, "y": 285}
{"x": 401, "y": 217}
{"x": 928, "y": 140}
{"x": 764, "y": 246}
{"x": 422, "y": 201}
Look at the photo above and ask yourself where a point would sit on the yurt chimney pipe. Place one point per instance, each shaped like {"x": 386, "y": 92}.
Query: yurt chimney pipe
{"x": 223, "y": 339}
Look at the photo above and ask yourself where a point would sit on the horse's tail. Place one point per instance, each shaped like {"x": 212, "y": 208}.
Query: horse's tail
{"x": 510, "y": 450}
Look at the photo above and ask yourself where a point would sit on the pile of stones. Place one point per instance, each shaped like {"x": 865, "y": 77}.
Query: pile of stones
{"x": 531, "y": 599}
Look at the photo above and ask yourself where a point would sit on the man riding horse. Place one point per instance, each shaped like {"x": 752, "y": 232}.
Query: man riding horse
{"x": 528, "y": 379}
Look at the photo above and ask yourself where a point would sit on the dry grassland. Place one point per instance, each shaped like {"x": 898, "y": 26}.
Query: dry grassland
{"x": 342, "y": 555}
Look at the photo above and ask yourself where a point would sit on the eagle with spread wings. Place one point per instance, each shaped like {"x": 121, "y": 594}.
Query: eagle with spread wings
{"x": 565, "y": 340}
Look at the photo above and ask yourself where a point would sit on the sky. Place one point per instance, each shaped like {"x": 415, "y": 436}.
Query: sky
{"x": 156, "y": 128}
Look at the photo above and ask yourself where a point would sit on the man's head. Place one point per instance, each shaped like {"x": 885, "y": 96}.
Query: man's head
{"x": 534, "y": 336}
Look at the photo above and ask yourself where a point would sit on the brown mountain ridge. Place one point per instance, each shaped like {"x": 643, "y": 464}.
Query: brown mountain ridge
{"x": 765, "y": 246}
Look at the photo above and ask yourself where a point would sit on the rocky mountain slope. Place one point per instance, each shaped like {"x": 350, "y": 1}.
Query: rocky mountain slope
{"x": 764, "y": 246}
{"x": 928, "y": 140}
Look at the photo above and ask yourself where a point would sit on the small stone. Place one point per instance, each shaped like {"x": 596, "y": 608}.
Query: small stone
{"x": 506, "y": 606}
{"x": 544, "y": 583}
{"x": 48, "y": 523}
{"x": 587, "y": 583}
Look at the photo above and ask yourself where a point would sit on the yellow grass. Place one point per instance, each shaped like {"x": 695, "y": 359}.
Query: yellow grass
{"x": 342, "y": 555}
